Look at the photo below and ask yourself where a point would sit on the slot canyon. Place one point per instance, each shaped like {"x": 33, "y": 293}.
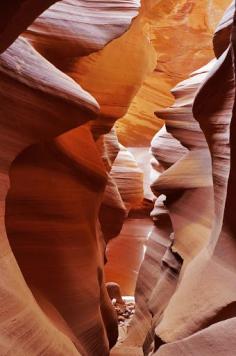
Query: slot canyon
{"x": 118, "y": 173}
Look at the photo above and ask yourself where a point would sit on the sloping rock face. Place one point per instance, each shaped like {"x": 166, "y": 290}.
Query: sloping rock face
{"x": 181, "y": 34}
{"x": 53, "y": 295}
{"x": 188, "y": 304}
{"x": 16, "y": 16}
{"x": 68, "y": 184}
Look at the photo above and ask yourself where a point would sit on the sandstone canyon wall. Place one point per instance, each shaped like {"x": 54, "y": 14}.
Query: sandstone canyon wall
{"x": 57, "y": 186}
{"x": 69, "y": 70}
{"x": 181, "y": 34}
{"x": 187, "y": 307}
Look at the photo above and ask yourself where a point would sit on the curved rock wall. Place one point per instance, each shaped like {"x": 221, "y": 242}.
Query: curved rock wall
{"x": 73, "y": 184}
{"x": 56, "y": 303}
{"x": 188, "y": 304}
{"x": 181, "y": 34}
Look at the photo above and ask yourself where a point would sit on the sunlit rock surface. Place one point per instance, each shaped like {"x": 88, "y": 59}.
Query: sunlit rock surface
{"x": 81, "y": 26}
{"x": 77, "y": 69}
{"x": 129, "y": 248}
{"x": 181, "y": 34}
{"x": 188, "y": 305}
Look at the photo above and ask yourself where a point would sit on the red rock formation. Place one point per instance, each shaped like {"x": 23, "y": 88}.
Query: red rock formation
{"x": 73, "y": 184}
{"x": 212, "y": 269}
{"x": 31, "y": 111}
{"x": 56, "y": 191}
{"x": 126, "y": 252}
{"x": 16, "y": 16}
{"x": 181, "y": 34}
{"x": 72, "y": 28}
{"x": 196, "y": 175}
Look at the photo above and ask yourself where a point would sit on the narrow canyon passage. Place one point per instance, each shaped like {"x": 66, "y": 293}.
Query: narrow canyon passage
{"x": 117, "y": 170}
{"x": 126, "y": 252}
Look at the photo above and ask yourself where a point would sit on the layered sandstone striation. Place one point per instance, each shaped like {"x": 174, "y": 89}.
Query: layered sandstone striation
{"x": 181, "y": 34}
{"x": 52, "y": 289}
{"x": 69, "y": 70}
{"x": 188, "y": 304}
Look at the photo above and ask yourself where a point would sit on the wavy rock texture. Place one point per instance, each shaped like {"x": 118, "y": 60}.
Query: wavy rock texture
{"x": 129, "y": 181}
{"x": 206, "y": 305}
{"x": 181, "y": 34}
{"x": 113, "y": 211}
{"x": 73, "y": 184}
{"x": 124, "y": 189}
{"x": 67, "y": 242}
{"x": 114, "y": 75}
{"x": 129, "y": 52}
{"x": 126, "y": 252}
{"x": 81, "y": 26}
{"x": 16, "y": 16}
{"x": 189, "y": 303}
{"x": 54, "y": 228}
{"x": 128, "y": 177}
{"x": 24, "y": 326}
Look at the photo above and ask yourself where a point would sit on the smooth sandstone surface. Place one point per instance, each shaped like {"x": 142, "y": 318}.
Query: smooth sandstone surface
{"x": 16, "y": 16}
{"x": 80, "y": 27}
{"x": 50, "y": 183}
{"x": 75, "y": 202}
{"x": 192, "y": 303}
{"x": 181, "y": 34}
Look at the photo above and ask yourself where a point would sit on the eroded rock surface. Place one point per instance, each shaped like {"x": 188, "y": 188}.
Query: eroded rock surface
{"x": 188, "y": 306}
{"x": 181, "y": 34}
{"x": 75, "y": 70}
{"x": 57, "y": 185}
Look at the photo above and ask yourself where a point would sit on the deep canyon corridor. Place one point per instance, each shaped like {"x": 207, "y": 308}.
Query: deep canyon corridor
{"x": 117, "y": 172}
